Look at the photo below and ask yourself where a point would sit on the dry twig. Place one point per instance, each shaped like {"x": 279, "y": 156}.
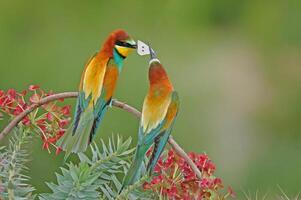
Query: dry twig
{"x": 116, "y": 103}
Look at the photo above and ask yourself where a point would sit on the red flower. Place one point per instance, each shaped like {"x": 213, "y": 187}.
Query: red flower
{"x": 192, "y": 155}
{"x": 58, "y": 150}
{"x": 231, "y": 192}
{"x": 61, "y": 132}
{"x": 40, "y": 121}
{"x": 169, "y": 161}
{"x": 50, "y": 117}
{"x": 66, "y": 110}
{"x": 17, "y": 110}
{"x": 34, "y": 98}
{"x": 158, "y": 167}
{"x": 206, "y": 183}
{"x": 218, "y": 182}
{"x": 202, "y": 159}
{"x": 11, "y": 93}
{"x": 172, "y": 192}
{"x": 2, "y": 93}
{"x": 42, "y": 127}
{"x": 46, "y": 145}
{"x": 146, "y": 186}
{"x": 174, "y": 179}
{"x": 157, "y": 179}
{"x": 209, "y": 167}
{"x": 23, "y": 93}
{"x": 26, "y": 121}
{"x": 63, "y": 123}
{"x": 51, "y": 140}
{"x": 3, "y": 100}
{"x": 33, "y": 87}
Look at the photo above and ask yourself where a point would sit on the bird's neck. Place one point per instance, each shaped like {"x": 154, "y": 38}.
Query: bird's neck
{"x": 118, "y": 59}
{"x": 108, "y": 46}
{"x": 158, "y": 76}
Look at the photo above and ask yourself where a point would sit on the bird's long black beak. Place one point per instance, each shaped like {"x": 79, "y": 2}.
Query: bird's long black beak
{"x": 152, "y": 53}
{"x": 129, "y": 44}
{"x": 132, "y": 44}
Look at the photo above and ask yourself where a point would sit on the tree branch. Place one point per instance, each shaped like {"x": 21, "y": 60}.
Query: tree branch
{"x": 115, "y": 103}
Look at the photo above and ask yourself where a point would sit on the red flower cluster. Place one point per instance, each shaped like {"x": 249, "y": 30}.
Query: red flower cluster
{"x": 49, "y": 120}
{"x": 174, "y": 179}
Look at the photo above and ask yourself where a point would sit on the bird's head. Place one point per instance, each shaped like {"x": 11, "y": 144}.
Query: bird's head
{"x": 157, "y": 73}
{"x": 119, "y": 42}
{"x": 123, "y": 43}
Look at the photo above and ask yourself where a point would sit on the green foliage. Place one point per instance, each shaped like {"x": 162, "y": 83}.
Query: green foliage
{"x": 112, "y": 160}
{"x": 13, "y": 181}
{"x": 76, "y": 182}
{"x": 99, "y": 175}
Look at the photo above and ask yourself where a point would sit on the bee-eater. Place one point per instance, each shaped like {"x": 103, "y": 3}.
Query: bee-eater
{"x": 96, "y": 88}
{"x": 159, "y": 111}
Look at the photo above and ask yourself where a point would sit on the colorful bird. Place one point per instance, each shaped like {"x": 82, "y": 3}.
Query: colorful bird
{"x": 97, "y": 86}
{"x": 159, "y": 111}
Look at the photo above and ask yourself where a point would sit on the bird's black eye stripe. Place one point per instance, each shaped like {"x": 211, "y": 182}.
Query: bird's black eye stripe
{"x": 120, "y": 43}
{"x": 124, "y": 44}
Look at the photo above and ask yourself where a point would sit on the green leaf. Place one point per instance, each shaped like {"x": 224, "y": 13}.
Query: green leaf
{"x": 97, "y": 176}
{"x": 76, "y": 182}
{"x": 13, "y": 158}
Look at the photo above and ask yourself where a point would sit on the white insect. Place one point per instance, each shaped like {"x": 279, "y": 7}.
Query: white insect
{"x": 143, "y": 49}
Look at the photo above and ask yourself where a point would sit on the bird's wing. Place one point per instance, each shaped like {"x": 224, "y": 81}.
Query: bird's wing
{"x": 172, "y": 111}
{"x": 157, "y": 118}
{"x": 154, "y": 111}
{"x": 163, "y": 134}
{"x": 108, "y": 87}
{"x": 93, "y": 77}
{"x": 77, "y": 137}
{"x": 89, "y": 89}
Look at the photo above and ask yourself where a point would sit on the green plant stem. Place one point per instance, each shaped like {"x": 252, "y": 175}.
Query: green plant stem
{"x": 11, "y": 172}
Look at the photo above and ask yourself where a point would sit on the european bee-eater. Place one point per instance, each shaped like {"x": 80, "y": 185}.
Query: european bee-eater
{"x": 159, "y": 111}
{"x": 96, "y": 88}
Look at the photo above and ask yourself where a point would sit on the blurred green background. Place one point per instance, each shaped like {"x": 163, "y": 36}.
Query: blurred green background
{"x": 235, "y": 63}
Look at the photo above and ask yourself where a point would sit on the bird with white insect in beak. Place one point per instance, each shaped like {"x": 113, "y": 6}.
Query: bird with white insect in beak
{"x": 159, "y": 112}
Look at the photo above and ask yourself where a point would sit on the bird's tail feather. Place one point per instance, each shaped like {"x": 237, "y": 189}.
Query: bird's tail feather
{"x": 79, "y": 140}
{"x": 134, "y": 171}
{"x": 160, "y": 143}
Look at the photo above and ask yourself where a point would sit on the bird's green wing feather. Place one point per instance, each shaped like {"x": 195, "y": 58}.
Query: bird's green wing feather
{"x": 160, "y": 143}
{"x": 78, "y": 142}
{"x": 81, "y": 105}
